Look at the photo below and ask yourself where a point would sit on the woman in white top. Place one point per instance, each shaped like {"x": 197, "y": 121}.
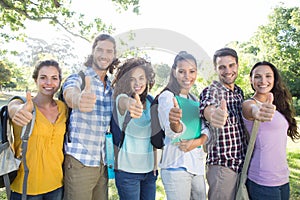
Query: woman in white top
{"x": 183, "y": 161}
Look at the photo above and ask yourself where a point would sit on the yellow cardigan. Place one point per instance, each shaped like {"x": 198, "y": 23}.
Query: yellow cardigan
{"x": 44, "y": 154}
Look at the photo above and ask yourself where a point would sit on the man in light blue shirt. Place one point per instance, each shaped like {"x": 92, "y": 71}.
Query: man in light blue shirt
{"x": 85, "y": 166}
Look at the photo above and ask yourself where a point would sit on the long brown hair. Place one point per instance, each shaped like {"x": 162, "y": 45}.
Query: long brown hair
{"x": 282, "y": 100}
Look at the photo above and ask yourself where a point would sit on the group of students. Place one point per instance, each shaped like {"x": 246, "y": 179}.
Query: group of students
{"x": 221, "y": 114}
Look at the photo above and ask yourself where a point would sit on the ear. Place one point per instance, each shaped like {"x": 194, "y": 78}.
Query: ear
{"x": 174, "y": 73}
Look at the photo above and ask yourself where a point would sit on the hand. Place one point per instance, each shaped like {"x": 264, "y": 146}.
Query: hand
{"x": 23, "y": 115}
{"x": 135, "y": 106}
{"x": 186, "y": 145}
{"x": 265, "y": 111}
{"x": 175, "y": 116}
{"x": 87, "y": 99}
{"x": 219, "y": 115}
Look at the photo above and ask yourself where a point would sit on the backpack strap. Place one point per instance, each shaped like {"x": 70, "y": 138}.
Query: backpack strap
{"x": 26, "y": 132}
{"x": 82, "y": 76}
{"x": 127, "y": 120}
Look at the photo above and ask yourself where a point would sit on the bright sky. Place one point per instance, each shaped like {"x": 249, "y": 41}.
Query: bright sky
{"x": 211, "y": 24}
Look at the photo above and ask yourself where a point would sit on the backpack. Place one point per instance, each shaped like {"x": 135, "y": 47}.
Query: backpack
{"x": 10, "y": 164}
{"x": 60, "y": 96}
{"x": 117, "y": 132}
{"x": 158, "y": 134}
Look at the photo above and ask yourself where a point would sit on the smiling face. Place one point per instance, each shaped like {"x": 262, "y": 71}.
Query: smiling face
{"x": 138, "y": 80}
{"x": 185, "y": 74}
{"x": 227, "y": 69}
{"x": 48, "y": 80}
{"x": 262, "y": 79}
{"x": 103, "y": 55}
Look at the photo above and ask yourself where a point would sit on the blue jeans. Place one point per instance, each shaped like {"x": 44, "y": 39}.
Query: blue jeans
{"x": 136, "y": 186}
{"x": 53, "y": 195}
{"x": 260, "y": 192}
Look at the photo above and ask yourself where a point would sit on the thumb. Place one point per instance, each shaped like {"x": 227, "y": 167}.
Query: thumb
{"x": 175, "y": 102}
{"x": 137, "y": 98}
{"x": 223, "y": 105}
{"x": 87, "y": 87}
{"x": 270, "y": 98}
{"x": 29, "y": 104}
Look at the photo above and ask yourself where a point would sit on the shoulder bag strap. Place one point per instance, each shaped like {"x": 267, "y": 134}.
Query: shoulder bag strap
{"x": 249, "y": 151}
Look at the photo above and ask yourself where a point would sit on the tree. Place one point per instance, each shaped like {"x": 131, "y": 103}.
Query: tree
{"x": 13, "y": 15}
{"x": 279, "y": 42}
{"x": 5, "y": 74}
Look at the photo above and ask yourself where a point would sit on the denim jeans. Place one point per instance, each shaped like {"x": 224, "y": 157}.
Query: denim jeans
{"x": 260, "y": 192}
{"x": 136, "y": 186}
{"x": 53, "y": 195}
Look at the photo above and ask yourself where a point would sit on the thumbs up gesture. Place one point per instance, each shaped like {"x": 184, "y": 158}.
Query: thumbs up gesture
{"x": 266, "y": 110}
{"x": 23, "y": 113}
{"x": 219, "y": 115}
{"x": 135, "y": 106}
{"x": 87, "y": 99}
{"x": 175, "y": 115}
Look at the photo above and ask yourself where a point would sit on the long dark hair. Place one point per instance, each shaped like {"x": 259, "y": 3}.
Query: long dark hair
{"x": 282, "y": 99}
{"x": 173, "y": 84}
{"x": 121, "y": 82}
{"x": 103, "y": 37}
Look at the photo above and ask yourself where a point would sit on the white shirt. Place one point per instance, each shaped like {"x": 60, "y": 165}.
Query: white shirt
{"x": 172, "y": 157}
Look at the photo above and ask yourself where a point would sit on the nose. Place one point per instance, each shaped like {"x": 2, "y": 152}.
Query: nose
{"x": 186, "y": 75}
{"x": 263, "y": 79}
{"x": 48, "y": 81}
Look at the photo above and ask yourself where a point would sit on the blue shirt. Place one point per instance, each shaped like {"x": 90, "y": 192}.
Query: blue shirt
{"x": 87, "y": 129}
{"x": 136, "y": 154}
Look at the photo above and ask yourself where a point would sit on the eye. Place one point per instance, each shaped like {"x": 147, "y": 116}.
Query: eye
{"x": 110, "y": 51}
{"x": 99, "y": 50}
{"x": 221, "y": 67}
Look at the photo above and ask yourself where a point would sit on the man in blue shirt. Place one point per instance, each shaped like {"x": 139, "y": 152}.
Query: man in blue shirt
{"x": 85, "y": 163}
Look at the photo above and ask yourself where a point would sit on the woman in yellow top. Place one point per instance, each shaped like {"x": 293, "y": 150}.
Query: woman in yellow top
{"x": 44, "y": 155}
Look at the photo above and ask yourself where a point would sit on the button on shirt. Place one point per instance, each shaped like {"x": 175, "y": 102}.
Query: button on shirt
{"x": 87, "y": 129}
{"x": 227, "y": 145}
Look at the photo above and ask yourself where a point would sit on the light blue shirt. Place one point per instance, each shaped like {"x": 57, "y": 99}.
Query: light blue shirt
{"x": 87, "y": 129}
{"x": 136, "y": 154}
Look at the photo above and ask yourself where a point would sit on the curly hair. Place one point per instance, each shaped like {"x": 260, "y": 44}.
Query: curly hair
{"x": 123, "y": 74}
{"x": 282, "y": 100}
{"x": 103, "y": 37}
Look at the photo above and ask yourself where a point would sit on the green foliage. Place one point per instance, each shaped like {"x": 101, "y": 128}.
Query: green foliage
{"x": 296, "y": 103}
{"x": 13, "y": 15}
{"x": 162, "y": 73}
{"x": 5, "y": 74}
{"x": 277, "y": 42}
